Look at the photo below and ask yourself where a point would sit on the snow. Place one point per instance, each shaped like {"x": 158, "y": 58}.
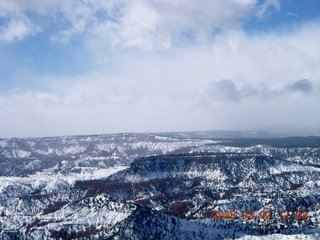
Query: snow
{"x": 22, "y": 154}
{"x": 292, "y": 168}
{"x": 85, "y": 158}
{"x": 282, "y": 237}
{"x": 33, "y": 165}
{"x": 161, "y": 138}
{"x": 73, "y": 150}
{"x": 3, "y": 143}
{"x": 98, "y": 211}
{"x": 51, "y": 180}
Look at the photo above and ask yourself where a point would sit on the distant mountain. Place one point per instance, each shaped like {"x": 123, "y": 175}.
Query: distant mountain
{"x": 151, "y": 186}
{"x": 213, "y": 134}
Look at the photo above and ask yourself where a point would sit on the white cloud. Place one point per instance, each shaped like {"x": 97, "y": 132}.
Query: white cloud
{"x": 147, "y": 77}
{"x": 17, "y": 29}
{"x": 148, "y": 25}
{"x": 174, "y": 91}
{"x": 143, "y": 24}
{"x": 15, "y": 24}
{"x": 262, "y": 9}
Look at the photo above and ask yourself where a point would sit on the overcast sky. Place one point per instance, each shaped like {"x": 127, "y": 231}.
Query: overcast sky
{"x": 92, "y": 66}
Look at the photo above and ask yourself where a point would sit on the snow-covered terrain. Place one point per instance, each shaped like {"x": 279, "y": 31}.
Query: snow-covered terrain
{"x": 149, "y": 186}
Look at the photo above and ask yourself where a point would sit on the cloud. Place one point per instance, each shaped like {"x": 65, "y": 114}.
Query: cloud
{"x": 291, "y": 14}
{"x": 223, "y": 90}
{"x": 17, "y": 28}
{"x": 261, "y": 11}
{"x": 147, "y": 25}
{"x": 304, "y": 86}
{"x": 150, "y": 67}
{"x": 15, "y": 25}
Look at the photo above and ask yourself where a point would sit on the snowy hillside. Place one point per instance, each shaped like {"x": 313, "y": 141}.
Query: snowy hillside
{"x": 149, "y": 186}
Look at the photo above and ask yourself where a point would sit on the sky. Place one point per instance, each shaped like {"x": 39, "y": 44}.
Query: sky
{"x": 96, "y": 67}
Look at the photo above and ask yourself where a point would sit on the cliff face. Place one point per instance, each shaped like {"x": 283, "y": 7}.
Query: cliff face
{"x": 145, "y": 186}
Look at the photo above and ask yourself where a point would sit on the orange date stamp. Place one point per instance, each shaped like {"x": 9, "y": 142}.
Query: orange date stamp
{"x": 262, "y": 214}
